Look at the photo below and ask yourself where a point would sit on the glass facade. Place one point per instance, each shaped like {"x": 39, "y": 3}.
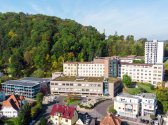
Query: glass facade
{"x": 114, "y": 68}
{"x": 26, "y": 91}
{"x": 105, "y": 87}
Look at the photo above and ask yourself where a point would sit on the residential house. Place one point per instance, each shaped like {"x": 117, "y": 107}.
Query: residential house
{"x": 11, "y": 106}
{"x": 110, "y": 120}
{"x": 148, "y": 104}
{"x": 64, "y": 115}
{"x": 132, "y": 106}
{"x": 127, "y": 105}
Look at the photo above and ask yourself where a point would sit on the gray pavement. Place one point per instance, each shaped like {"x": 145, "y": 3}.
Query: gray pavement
{"x": 99, "y": 111}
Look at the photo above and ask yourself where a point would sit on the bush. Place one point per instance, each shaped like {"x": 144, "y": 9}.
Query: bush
{"x": 152, "y": 87}
{"x": 38, "y": 73}
{"x": 153, "y": 117}
{"x": 112, "y": 110}
{"x": 43, "y": 121}
{"x": 127, "y": 80}
{"x": 39, "y": 97}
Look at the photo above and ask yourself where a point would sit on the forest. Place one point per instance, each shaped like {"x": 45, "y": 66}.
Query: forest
{"x": 37, "y": 45}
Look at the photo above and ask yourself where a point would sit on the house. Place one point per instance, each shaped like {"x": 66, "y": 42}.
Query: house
{"x": 11, "y": 106}
{"x": 85, "y": 119}
{"x": 79, "y": 122}
{"x": 110, "y": 120}
{"x": 61, "y": 114}
{"x": 127, "y": 105}
{"x": 148, "y": 104}
{"x": 143, "y": 105}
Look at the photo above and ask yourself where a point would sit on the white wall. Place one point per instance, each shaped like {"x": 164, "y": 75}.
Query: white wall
{"x": 9, "y": 112}
{"x": 160, "y": 52}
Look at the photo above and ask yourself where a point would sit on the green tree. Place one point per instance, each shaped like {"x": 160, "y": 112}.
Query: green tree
{"x": 127, "y": 80}
{"x": 166, "y": 65}
{"x": 39, "y": 97}
{"x": 38, "y": 73}
{"x": 32, "y": 42}
{"x": 15, "y": 64}
{"x": 43, "y": 121}
{"x": 162, "y": 94}
{"x": 112, "y": 110}
{"x": 24, "y": 115}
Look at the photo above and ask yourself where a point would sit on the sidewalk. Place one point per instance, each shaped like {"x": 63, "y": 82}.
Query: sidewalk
{"x": 133, "y": 122}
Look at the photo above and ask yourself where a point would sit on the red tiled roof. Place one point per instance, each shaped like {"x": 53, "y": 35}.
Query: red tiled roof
{"x": 110, "y": 120}
{"x": 13, "y": 101}
{"x": 64, "y": 111}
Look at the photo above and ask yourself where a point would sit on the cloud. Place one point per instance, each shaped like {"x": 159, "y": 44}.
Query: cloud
{"x": 41, "y": 9}
{"x": 138, "y": 22}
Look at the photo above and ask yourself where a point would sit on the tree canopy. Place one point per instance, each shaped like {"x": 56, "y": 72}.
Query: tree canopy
{"x": 162, "y": 98}
{"x": 127, "y": 80}
{"x": 24, "y": 116}
{"x": 36, "y": 45}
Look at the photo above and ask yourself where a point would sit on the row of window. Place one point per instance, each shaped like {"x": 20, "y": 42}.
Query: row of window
{"x": 76, "y": 90}
{"x": 76, "y": 84}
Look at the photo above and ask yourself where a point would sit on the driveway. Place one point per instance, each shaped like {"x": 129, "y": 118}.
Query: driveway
{"x": 99, "y": 111}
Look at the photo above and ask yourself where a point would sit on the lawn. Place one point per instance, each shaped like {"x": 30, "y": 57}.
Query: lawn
{"x": 142, "y": 88}
{"x": 73, "y": 102}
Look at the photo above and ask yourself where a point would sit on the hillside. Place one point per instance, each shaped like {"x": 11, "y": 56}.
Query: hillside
{"x": 36, "y": 45}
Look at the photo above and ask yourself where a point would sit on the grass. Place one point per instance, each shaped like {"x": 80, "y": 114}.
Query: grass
{"x": 142, "y": 88}
{"x": 73, "y": 102}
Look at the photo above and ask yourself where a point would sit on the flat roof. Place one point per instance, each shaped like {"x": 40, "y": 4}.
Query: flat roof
{"x": 137, "y": 64}
{"x": 36, "y": 79}
{"x": 112, "y": 80}
{"x": 127, "y": 95}
{"x": 27, "y": 81}
{"x": 84, "y": 79}
{"x": 93, "y": 62}
{"x": 81, "y": 79}
{"x": 147, "y": 95}
{"x": 21, "y": 83}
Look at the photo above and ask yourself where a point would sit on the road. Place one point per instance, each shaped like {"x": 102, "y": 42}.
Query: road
{"x": 99, "y": 111}
{"x": 132, "y": 122}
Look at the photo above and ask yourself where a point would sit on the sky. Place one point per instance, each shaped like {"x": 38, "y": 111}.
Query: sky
{"x": 141, "y": 18}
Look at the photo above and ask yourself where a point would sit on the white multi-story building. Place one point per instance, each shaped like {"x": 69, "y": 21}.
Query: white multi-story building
{"x": 99, "y": 67}
{"x": 131, "y": 58}
{"x": 85, "y": 69}
{"x": 127, "y": 105}
{"x": 148, "y": 104}
{"x": 154, "y": 52}
{"x": 138, "y": 105}
{"x": 146, "y": 73}
{"x": 88, "y": 86}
